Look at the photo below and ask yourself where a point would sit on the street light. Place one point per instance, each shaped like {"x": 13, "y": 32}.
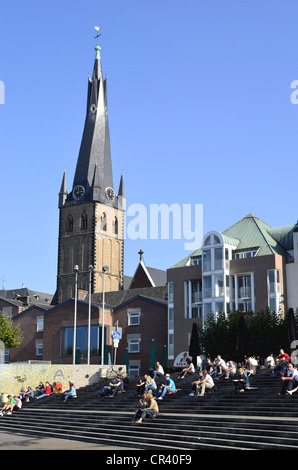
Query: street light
{"x": 89, "y": 311}
{"x": 104, "y": 269}
{"x": 76, "y": 270}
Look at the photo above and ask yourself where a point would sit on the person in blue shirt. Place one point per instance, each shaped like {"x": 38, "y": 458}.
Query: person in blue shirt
{"x": 168, "y": 386}
{"x": 70, "y": 393}
{"x": 29, "y": 395}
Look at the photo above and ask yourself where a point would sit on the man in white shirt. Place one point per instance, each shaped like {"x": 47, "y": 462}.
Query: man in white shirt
{"x": 289, "y": 379}
{"x": 220, "y": 367}
{"x": 230, "y": 369}
{"x": 206, "y": 381}
{"x": 270, "y": 361}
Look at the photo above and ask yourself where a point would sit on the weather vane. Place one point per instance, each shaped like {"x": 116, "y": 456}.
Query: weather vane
{"x": 97, "y": 36}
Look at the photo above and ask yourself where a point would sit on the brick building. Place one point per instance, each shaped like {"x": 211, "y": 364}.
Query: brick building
{"x": 141, "y": 319}
{"x": 48, "y": 333}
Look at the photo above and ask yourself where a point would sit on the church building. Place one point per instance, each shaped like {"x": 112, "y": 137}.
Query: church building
{"x": 91, "y": 219}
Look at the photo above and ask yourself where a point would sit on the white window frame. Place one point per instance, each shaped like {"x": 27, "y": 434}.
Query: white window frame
{"x": 133, "y": 371}
{"x": 40, "y": 323}
{"x": 39, "y": 347}
{"x": 136, "y": 313}
{"x": 134, "y": 342}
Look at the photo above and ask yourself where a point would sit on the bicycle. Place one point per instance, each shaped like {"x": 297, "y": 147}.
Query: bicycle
{"x": 113, "y": 372}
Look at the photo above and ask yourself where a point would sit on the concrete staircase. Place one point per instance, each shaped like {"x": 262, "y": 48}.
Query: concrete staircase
{"x": 256, "y": 419}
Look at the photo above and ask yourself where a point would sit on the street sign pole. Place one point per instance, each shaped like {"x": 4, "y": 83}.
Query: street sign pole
{"x": 116, "y": 337}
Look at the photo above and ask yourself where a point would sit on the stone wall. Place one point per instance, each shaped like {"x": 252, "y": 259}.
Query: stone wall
{"x": 14, "y": 376}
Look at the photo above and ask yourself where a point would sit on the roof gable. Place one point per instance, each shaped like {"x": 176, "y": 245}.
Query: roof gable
{"x": 147, "y": 277}
{"x": 162, "y": 303}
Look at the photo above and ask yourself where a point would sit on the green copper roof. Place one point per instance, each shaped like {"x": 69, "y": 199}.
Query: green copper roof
{"x": 284, "y": 236}
{"x": 230, "y": 241}
{"x": 97, "y": 49}
{"x": 252, "y": 232}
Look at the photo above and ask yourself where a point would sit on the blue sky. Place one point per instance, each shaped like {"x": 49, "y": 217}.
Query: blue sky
{"x": 199, "y": 111}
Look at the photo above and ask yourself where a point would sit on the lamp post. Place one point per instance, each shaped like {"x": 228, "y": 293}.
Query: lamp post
{"x": 104, "y": 269}
{"x": 89, "y": 312}
{"x": 76, "y": 270}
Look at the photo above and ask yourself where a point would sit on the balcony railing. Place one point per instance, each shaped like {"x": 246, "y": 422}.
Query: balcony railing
{"x": 196, "y": 297}
{"x": 274, "y": 288}
{"x": 244, "y": 292}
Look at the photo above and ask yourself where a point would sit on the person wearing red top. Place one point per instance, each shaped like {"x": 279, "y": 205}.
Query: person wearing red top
{"x": 282, "y": 355}
{"x": 46, "y": 392}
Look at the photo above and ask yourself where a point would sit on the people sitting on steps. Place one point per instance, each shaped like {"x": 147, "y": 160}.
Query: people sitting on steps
{"x": 230, "y": 369}
{"x": 113, "y": 388}
{"x": 149, "y": 409}
{"x": 158, "y": 371}
{"x": 289, "y": 380}
{"x": 250, "y": 366}
{"x": 46, "y": 392}
{"x": 70, "y": 393}
{"x": 219, "y": 368}
{"x": 189, "y": 369}
{"x": 141, "y": 386}
{"x": 199, "y": 386}
{"x": 242, "y": 383}
{"x": 167, "y": 387}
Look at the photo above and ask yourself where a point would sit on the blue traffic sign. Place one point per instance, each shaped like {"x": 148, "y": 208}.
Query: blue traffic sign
{"x": 116, "y": 335}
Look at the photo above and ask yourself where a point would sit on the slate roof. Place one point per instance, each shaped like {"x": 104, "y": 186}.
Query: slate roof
{"x": 161, "y": 302}
{"x": 26, "y": 296}
{"x": 116, "y": 298}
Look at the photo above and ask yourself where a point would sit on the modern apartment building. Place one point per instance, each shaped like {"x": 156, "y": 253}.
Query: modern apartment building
{"x": 250, "y": 266}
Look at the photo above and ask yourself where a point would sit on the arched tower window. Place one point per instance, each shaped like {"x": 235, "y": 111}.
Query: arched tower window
{"x": 70, "y": 223}
{"x": 103, "y": 222}
{"x": 84, "y": 221}
{"x": 115, "y": 226}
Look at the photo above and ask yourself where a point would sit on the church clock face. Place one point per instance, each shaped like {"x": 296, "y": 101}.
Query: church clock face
{"x": 78, "y": 192}
{"x": 110, "y": 195}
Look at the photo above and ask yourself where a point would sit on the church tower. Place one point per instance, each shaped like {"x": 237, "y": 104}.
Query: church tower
{"x": 91, "y": 222}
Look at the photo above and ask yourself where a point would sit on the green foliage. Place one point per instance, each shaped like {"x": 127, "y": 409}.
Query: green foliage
{"x": 10, "y": 336}
{"x": 266, "y": 333}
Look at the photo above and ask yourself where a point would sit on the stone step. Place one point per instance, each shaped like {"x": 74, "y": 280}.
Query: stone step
{"x": 267, "y": 421}
{"x": 195, "y": 434}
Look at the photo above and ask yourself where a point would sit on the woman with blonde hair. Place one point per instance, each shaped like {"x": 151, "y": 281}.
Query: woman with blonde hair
{"x": 150, "y": 384}
{"x": 151, "y": 408}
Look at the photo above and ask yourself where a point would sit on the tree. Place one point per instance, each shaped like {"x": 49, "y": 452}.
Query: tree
{"x": 10, "y": 336}
{"x": 267, "y": 332}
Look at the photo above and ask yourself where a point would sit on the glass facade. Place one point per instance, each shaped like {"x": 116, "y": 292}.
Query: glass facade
{"x": 82, "y": 340}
